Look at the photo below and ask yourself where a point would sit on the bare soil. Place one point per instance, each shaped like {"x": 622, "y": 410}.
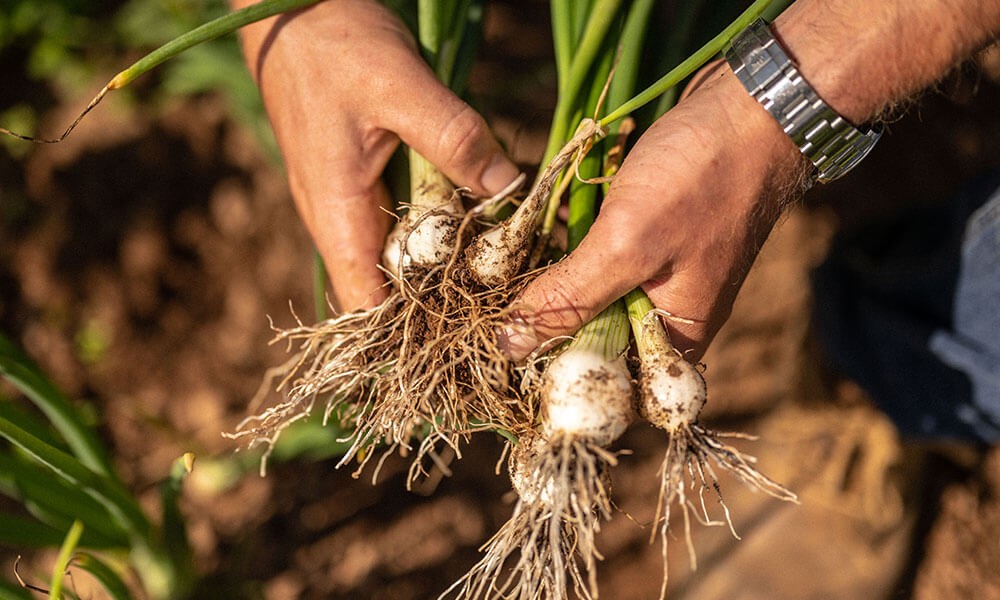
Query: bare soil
{"x": 140, "y": 258}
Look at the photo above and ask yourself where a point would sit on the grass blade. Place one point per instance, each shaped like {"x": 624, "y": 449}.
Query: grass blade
{"x": 56, "y": 503}
{"x": 22, "y": 532}
{"x": 83, "y": 442}
{"x": 30, "y": 423}
{"x": 175, "y": 540}
{"x": 122, "y": 507}
{"x": 62, "y": 561}
{"x": 11, "y": 592}
{"x": 112, "y": 583}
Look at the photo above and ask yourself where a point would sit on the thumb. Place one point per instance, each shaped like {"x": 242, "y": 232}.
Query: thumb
{"x": 451, "y": 135}
{"x": 565, "y": 296}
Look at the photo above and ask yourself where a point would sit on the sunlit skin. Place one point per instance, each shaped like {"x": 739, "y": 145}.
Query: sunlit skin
{"x": 688, "y": 211}
{"x": 343, "y": 83}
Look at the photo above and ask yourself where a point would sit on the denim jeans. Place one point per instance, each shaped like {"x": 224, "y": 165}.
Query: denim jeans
{"x": 972, "y": 344}
{"x": 910, "y": 309}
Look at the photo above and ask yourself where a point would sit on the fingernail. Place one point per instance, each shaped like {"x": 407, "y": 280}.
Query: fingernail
{"x": 516, "y": 338}
{"x": 499, "y": 174}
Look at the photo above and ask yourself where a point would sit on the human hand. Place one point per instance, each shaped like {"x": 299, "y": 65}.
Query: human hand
{"x": 684, "y": 219}
{"x": 701, "y": 190}
{"x": 343, "y": 83}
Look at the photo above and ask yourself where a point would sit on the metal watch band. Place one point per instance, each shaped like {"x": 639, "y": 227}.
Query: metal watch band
{"x": 827, "y": 139}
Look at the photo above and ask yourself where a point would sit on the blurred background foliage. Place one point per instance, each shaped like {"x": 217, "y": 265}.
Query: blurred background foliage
{"x": 66, "y": 49}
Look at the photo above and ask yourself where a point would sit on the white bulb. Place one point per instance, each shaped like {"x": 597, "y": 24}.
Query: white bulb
{"x": 587, "y": 396}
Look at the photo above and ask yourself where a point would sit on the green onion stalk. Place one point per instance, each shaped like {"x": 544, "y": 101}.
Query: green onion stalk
{"x": 560, "y": 468}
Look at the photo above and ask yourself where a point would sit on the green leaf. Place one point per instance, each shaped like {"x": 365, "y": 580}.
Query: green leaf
{"x": 84, "y": 443}
{"x": 30, "y": 423}
{"x": 62, "y": 561}
{"x": 122, "y": 507}
{"x": 109, "y": 579}
{"x": 689, "y": 65}
{"x": 9, "y": 591}
{"x": 23, "y": 532}
{"x": 57, "y": 503}
{"x": 175, "y": 540}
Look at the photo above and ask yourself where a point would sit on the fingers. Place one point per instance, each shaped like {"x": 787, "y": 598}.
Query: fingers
{"x": 450, "y": 134}
{"x": 572, "y": 292}
{"x": 349, "y": 234}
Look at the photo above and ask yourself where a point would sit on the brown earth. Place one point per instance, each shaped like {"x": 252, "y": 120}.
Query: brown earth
{"x": 139, "y": 258}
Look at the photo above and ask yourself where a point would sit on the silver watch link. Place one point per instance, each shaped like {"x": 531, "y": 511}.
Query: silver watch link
{"x": 827, "y": 139}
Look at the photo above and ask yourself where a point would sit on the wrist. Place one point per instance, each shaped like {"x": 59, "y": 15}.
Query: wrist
{"x": 829, "y": 140}
{"x": 864, "y": 57}
{"x": 752, "y": 146}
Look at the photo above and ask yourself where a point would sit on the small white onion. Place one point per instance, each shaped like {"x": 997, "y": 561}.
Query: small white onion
{"x": 432, "y": 240}
{"x": 490, "y": 257}
{"x": 587, "y": 396}
{"x": 428, "y": 242}
{"x": 673, "y": 392}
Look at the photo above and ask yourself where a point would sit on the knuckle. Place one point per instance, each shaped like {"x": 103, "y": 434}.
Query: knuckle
{"x": 627, "y": 250}
{"x": 559, "y": 308}
{"x": 461, "y": 138}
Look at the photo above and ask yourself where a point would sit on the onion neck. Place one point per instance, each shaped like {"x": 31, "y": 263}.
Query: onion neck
{"x": 651, "y": 337}
{"x": 606, "y": 334}
{"x": 430, "y": 189}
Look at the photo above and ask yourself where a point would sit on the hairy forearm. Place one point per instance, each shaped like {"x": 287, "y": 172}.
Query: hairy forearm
{"x": 863, "y": 57}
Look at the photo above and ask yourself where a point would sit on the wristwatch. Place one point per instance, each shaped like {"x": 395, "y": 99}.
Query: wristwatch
{"x": 827, "y": 139}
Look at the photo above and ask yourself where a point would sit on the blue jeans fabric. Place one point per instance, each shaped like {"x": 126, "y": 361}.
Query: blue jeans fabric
{"x": 972, "y": 344}
{"x": 910, "y": 309}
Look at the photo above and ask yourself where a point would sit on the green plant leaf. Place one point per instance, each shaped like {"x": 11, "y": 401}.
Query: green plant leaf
{"x": 108, "y": 577}
{"x": 9, "y": 591}
{"x": 30, "y": 423}
{"x": 689, "y": 65}
{"x": 83, "y": 442}
{"x": 124, "y": 509}
{"x": 175, "y": 540}
{"x": 62, "y": 561}
{"x": 57, "y": 503}
{"x": 24, "y": 532}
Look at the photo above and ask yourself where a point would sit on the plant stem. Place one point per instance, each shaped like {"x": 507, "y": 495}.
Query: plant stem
{"x": 606, "y": 334}
{"x": 320, "y": 279}
{"x": 62, "y": 561}
{"x": 680, "y": 34}
{"x": 429, "y": 188}
{"x": 217, "y": 27}
{"x": 629, "y": 57}
{"x": 562, "y": 38}
{"x": 598, "y": 24}
{"x": 650, "y": 336}
{"x": 689, "y": 65}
